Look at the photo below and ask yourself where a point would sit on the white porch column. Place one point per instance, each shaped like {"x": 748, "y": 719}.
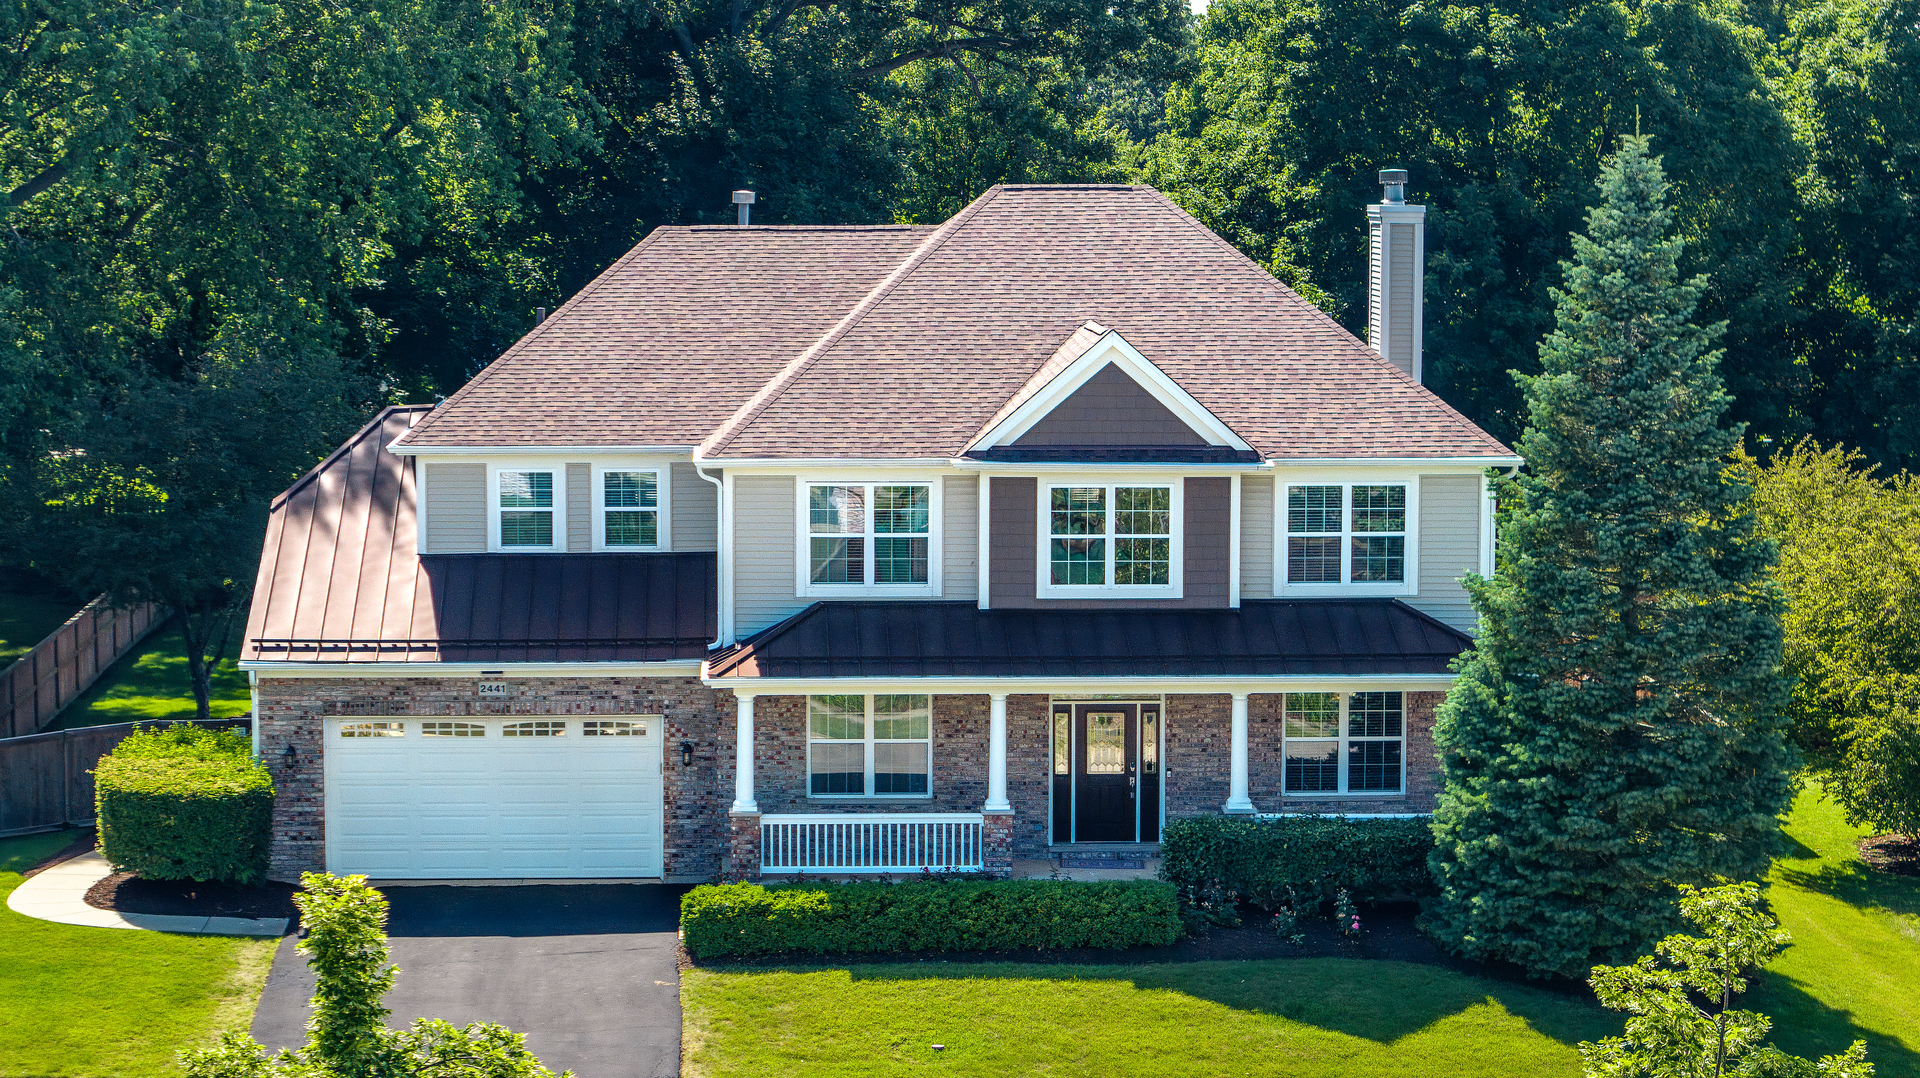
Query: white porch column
{"x": 997, "y": 754}
{"x": 743, "y": 754}
{"x": 1237, "y": 800}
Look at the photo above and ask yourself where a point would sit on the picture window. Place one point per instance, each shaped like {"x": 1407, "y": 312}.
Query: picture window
{"x": 879, "y": 745}
{"x": 1344, "y": 744}
{"x": 1342, "y": 533}
{"x": 1111, "y": 537}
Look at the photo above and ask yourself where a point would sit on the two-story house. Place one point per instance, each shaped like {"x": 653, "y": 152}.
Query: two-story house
{"x": 795, "y": 549}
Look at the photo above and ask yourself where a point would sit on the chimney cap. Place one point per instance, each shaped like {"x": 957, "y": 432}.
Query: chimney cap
{"x": 1393, "y": 175}
{"x": 743, "y": 198}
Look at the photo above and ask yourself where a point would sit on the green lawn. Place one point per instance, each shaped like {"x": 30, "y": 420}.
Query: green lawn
{"x": 111, "y": 1003}
{"x": 1853, "y": 970}
{"x": 151, "y": 682}
{"x": 1298, "y": 1017}
{"x": 27, "y": 614}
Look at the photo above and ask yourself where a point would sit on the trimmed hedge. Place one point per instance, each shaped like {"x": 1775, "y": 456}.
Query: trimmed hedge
{"x": 184, "y": 803}
{"x": 850, "y": 918}
{"x": 1318, "y": 856}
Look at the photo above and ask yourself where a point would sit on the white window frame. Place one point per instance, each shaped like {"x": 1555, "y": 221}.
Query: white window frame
{"x": 662, "y": 482}
{"x": 1346, "y": 481}
{"x": 868, "y": 743}
{"x": 1343, "y": 739}
{"x": 558, "y": 469}
{"x": 803, "y": 585}
{"x": 1045, "y": 588}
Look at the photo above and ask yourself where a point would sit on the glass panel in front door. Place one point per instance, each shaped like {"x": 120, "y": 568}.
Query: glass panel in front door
{"x": 1106, "y": 760}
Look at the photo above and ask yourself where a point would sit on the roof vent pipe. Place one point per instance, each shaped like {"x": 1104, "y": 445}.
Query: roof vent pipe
{"x": 1395, "y": 181}
{"x": 743, "y": 202}
{"x": 539, "y": 315}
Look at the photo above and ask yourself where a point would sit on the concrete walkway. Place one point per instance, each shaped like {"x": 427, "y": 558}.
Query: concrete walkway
{"x": 586, "y": 971}
{"x": 59, "y": 894}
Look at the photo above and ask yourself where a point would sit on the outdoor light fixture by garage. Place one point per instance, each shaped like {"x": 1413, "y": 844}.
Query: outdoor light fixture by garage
{"x": 289, "y": 756}
{"x": 686, "y": 754}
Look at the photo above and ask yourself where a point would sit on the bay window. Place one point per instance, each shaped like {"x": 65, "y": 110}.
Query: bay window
{"x": 1344, "y": 743}
{"x": 861, "y": 746}
{"x": 1117, "y": 538}
{"x": 1346, "y": 537}
{"x": 868, "y": 538}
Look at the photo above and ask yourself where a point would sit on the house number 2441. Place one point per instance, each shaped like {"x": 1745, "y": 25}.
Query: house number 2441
{"x": 493, "y": 688}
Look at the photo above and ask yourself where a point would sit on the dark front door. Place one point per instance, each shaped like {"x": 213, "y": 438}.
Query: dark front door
{"x": 1106, "y": 772}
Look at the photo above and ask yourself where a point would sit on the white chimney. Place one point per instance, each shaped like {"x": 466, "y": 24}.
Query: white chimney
{"x": 1396, "y": 271}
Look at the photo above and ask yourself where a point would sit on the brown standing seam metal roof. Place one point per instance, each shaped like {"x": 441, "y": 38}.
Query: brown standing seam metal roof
{"x": 340, "y": 582}
{"x": 947, "y": 639}
{"x": 898, "y": 342}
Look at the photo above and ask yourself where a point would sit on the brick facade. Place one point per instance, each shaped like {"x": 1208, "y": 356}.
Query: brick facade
{"x": 701, "y": 841}
{"x": 291, "y": 710}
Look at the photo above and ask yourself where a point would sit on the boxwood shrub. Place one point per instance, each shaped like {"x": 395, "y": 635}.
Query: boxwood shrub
{"x": 962, "y": 915}
{"x": 1317, "y": 856}
{"x": 184, "y": 803}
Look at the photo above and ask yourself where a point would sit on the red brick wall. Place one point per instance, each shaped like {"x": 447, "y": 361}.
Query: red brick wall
{"x": 959, "y": 779}
{"x": 697, "y": 797}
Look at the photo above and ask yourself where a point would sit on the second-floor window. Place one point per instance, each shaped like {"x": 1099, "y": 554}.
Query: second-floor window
{"x": 1118, "y": 536}
{"x": 525, "y": 507}
{"x": 1345, "y": 534}
{"x": 868, "y": 535}
{"x": 629, "y": 501}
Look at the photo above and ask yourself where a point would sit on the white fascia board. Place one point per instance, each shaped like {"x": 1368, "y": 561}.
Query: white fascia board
{"x": 681, "y": 451}
{"x": 1041, "y": 686}
{"x": 1395, "y": 462}
{"x": 1114, "y": 349}
{"x": 504, "y": 670}
{"x": 1001, "y": 467}
{"x": 793, "y": 465}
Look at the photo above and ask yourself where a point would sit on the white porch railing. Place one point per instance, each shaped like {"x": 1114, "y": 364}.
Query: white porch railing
{"x": 839, "y": 843}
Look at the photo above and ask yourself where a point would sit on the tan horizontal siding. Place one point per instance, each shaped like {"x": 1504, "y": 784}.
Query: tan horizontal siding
{"x": 1256, "y": 537}
{"x": 1449, "y": 547}
{"x": 960, "y": 538}
{"x": 763, "y": 545}
{"x": 579, "y": 508}
{"x": 456, "y": 508}
{"x": 696, "y": 510}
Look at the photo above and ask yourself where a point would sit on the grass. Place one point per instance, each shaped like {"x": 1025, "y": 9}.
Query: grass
{"x": 1853, "y": 969}
{"x": 151, "y": 682}
{"x": 28, "y": 613}
{"x": 111, "y": 1003}
{"x": 1299, "y": 1017}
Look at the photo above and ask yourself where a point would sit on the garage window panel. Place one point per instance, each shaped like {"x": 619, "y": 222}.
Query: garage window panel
{"x": 452, "y": 729}
{"x": 613, "y": 728}
{"x": 372, "y": 729}
{"x": 536, "y": 728}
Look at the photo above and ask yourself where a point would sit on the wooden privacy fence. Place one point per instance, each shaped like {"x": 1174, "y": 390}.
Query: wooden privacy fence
{"x": 46, "y": 780}
{"x": 67, "y": 662}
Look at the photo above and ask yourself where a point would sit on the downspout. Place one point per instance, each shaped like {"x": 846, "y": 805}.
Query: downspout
{"x": 253, "y": 688}
{"x": 723, "y": 626}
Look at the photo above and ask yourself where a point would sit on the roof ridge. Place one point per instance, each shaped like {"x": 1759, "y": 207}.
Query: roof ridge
{"x": 542, "y": 328}
{"x": 744, "y": 415}
{"x": 346, "y": 447}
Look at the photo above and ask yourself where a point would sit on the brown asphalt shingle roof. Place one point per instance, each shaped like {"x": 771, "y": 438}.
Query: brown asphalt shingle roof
{"x": 905, "y": 343}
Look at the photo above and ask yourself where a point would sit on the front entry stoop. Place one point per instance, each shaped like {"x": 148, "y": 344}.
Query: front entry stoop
{"x": 1090, "y": 861}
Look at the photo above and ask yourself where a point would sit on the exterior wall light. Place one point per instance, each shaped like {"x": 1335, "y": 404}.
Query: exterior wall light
{"x": 290, "y": 756}
{"x": 686, "y": 753}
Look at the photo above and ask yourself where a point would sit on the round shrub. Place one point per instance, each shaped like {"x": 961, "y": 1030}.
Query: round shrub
{"x": 184, "y": 803}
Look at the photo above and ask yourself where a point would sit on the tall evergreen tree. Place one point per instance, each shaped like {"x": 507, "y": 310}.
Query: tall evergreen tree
{"x": 1619, "y": 726}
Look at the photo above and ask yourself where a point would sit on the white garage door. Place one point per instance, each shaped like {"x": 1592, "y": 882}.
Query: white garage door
{"x": 481, "y": 797}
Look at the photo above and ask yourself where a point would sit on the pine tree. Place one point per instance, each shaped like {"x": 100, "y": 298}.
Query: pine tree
{"x": 1619, "y": 726}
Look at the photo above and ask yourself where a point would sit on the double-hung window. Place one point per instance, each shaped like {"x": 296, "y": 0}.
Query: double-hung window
{"x": 630, "y": 504}
{"x": 1342, "y": 537}
{"x": 868, "y": 538}
{"x": 526, "y": 514}
{"x": 1344, "y": 743}
{"x": 1113, "y": 538}
{"x": 869, "y": 746}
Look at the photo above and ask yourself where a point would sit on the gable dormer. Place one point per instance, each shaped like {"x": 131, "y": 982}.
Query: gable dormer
{"x": 1098, "y": 399}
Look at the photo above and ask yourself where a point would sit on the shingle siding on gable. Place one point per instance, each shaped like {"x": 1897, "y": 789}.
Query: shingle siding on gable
{"x": 456, "y": 508}
{"x": 763, "y": 552}
{"x": 1013, "y": 548}
{"x": 579, "y": 508}
{"x": 959, "y": 560}
{"x": 1110, "y": 409}
{"x": 1449, "y": 547}
{"x": 1256, "y": 537}
{"x": 695, "y": 504}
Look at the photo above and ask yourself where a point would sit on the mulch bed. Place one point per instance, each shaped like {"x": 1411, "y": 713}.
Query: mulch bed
{"x": 1389, "y": 932}
{"x": 1896, "y": 854}
{"x": 124, "y": 892}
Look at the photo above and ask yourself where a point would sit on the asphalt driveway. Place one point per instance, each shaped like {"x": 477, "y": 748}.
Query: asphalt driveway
{"x": 586, "y": 971}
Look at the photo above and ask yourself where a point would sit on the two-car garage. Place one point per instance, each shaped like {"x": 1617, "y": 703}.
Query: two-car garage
{"x": 480, "y": 797}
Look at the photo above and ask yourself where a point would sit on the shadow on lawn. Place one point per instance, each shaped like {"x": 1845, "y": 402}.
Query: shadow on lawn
{"x": 1374, "y": 1000}
{"x": 1856, "y": 884}
{"x": 1804, "y": 1026}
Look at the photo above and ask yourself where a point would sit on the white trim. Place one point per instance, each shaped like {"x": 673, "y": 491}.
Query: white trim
{"x": 723, "y": 557}
{"x": 662, "y": 505}
{"x": 1110, "y": 349}
{"x": 1044, "y": 588}
{"x": 1410, "y": 582}
{"x": 1063, "y": 686}
{"x": 678, "y": 452}
{"x": 788, "y": 465}
{"x": 1487, "y": 523}
{"x": 743, "y": 799}
{"x": 996, "y": 754}
{"x": 1032, "y": 468}
{"x": 419, "y": 507}
{"x": 379, "y": 670}
{"x": 803, "y": 585}
{"x": 1233, "y": 544}
{"x": 1237, "y": 781}
{"x": 1425, "y": 463}
{"x": 558, "y": 470}
{"x": 983, "y": 535}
